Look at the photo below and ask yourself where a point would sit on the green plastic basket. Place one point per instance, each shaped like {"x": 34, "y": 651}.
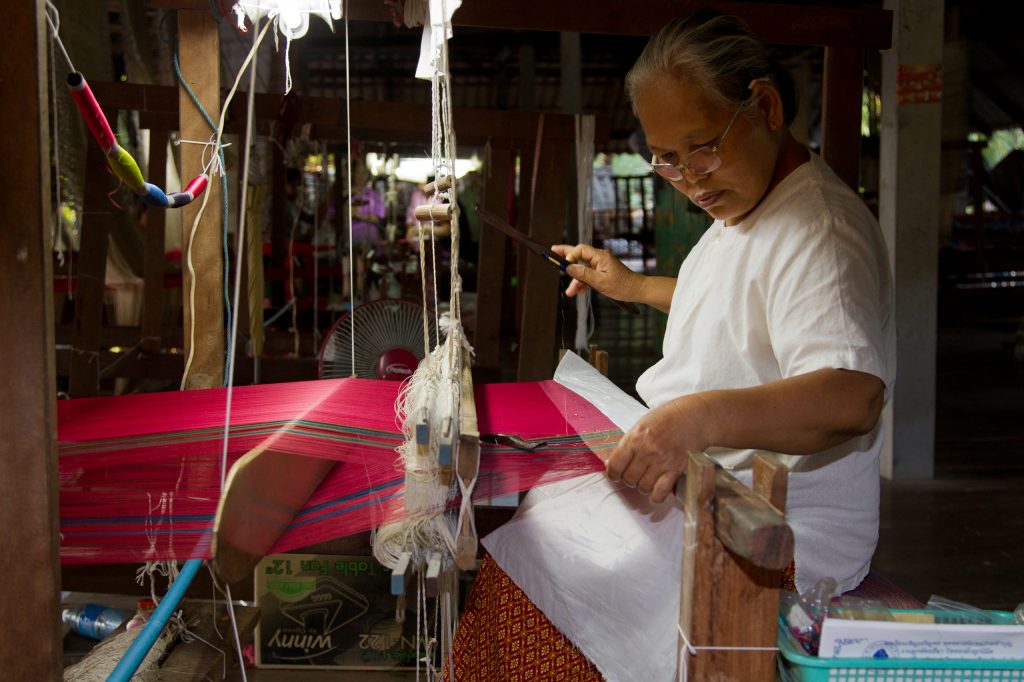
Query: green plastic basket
{"x": 797, "y": 666}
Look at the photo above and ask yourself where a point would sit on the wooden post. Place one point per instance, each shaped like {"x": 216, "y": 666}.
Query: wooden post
{"x": 491, "y": 275}
{"x": 841, "y": 112}
{"x": 29, "y": 595}
{"x": 84, "y": 374}
{"x": 540, "y": 285}
{"x": 199, "y": 55}
{"x": 735, "y": 546}
{"x": 908, "y": 211}
{"x": 153, "y": 244}
{"x": 698, "y": 539}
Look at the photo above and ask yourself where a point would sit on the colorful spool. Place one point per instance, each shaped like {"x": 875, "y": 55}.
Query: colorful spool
{"x": 121, "y": 162}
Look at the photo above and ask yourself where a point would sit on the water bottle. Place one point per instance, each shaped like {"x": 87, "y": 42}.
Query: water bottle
{"x": 93, "y": 620}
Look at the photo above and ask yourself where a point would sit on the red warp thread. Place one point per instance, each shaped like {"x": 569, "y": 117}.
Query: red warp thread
{"x": 140, "y": 474}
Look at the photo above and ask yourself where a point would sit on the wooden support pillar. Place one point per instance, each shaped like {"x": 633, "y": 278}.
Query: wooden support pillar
{"x": 736, "y": 544}
{"x": 841, "y": 112}
{"x": 153, "y": 248}
{"x": 491, "y": 275}
{"x": 527, "y": 77}
{"x": 570, "y": 96}
{"x": 540, "y": 286}
{"x": 84, "y": 375}
{"x": 909, "y": 209}
{"x": 29, "y": 564}
{"x": 199, "y": 55}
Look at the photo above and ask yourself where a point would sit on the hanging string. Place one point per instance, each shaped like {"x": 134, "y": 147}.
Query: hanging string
{"x": 688, "y": 649}
{"x": 57, "y": 233}
{"x": 51, "y": 8}
{"x": 57, "y": 237}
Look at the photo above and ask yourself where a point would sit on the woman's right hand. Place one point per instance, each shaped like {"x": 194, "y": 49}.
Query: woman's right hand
{"x": 599, "y": 269}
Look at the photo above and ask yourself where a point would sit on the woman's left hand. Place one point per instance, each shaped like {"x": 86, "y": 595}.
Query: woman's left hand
{"x": 652, "y": 455}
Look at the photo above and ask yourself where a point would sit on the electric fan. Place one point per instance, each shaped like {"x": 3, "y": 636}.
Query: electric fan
{"x": 388, "y": 341}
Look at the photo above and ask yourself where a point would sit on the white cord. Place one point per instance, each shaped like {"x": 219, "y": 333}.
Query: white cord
{"x": 690, "y": 649}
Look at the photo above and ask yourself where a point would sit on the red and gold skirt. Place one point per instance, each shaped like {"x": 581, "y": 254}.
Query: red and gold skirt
{"x": 503, "y": 637}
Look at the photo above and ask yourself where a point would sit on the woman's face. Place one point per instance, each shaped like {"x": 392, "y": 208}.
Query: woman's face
{"x": 678, "y": 119}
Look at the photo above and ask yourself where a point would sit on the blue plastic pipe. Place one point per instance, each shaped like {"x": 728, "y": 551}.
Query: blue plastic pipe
{"x": 129, "y": 664}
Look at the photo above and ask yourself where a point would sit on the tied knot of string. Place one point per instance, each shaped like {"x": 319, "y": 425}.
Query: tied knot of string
{"x": 690, "y": 649}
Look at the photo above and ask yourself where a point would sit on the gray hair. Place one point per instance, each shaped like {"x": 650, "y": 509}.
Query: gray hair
{"x": 718, "y": 54}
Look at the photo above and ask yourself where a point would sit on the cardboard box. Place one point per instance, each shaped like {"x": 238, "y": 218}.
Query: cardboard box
{"x": 327, "y": 611}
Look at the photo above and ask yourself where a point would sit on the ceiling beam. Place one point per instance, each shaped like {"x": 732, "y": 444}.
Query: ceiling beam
{"x": 777, "y": 24}
{"x": 375, "y": 121}
{"x": 774, "y": 23}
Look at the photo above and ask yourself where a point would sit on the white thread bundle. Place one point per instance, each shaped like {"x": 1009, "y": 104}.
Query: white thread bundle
{"x": 432, "y": 396}
{"x": 429, "y": 397}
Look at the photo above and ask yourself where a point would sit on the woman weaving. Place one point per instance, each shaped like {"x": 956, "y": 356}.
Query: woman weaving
{"x": 778, "y": 337}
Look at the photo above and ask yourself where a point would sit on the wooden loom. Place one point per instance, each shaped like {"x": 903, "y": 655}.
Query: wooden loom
{"x": 30, "y": 483}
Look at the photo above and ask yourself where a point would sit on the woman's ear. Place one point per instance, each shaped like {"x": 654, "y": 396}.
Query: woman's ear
{"x": 769, "y": 102}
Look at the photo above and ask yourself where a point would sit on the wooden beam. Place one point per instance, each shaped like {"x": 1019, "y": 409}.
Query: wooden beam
{"x": 29, "y": 564}
{"x": 491, "y": 275}
{"x": 84, "y": 375}
{"x": 729, "y": 602}
{"x": 168, "y": 366}
{"x": 153, "y": 245}
{"x": 264, "y": 491}
{"x": 749, "y": 526}
{"x": 199, "y": 55}
{"x": 841, "y": 112}
{"x": 774, "y": 23}
{"x": 541, "y": 283}
{"x": 390, "y": 121}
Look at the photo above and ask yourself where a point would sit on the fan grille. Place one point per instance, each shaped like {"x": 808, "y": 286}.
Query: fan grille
{"x": 380, "y": 326}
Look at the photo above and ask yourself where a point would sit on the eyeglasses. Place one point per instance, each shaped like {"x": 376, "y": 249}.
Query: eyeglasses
{"x": 699, "y": 162}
